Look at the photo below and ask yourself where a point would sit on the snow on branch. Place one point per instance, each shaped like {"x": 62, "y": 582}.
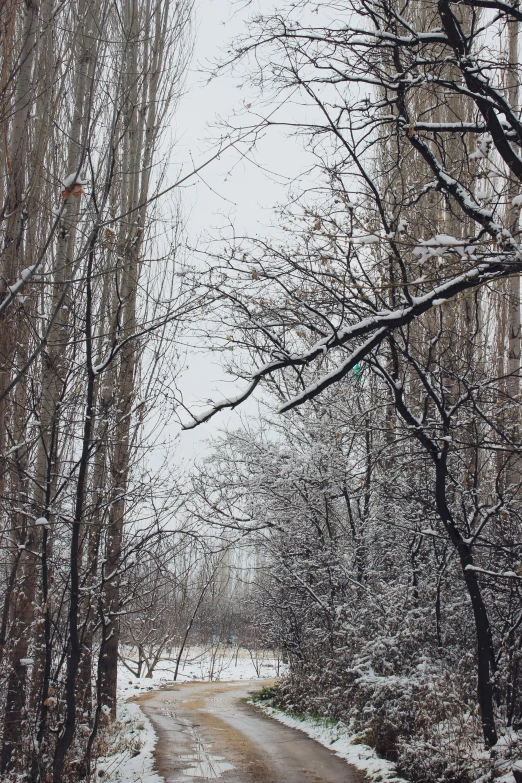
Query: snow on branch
{"x": 340, "y": 372}
{"x": 232, "y": 402}
{"x": 374, "y": 328}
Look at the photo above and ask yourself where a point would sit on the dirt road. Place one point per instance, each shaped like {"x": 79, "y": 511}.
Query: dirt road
{"x": 206, "y": 731}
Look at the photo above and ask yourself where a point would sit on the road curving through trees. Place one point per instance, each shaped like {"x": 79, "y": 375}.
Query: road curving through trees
{"x": 207, "y": 731}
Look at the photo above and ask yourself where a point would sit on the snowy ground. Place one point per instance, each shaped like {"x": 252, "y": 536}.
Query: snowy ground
{"x": 130, "y": 756}
{"x": 337, "y": 738}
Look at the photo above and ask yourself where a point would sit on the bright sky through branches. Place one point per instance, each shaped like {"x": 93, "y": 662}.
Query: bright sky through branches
{"x": 230, "y": 190}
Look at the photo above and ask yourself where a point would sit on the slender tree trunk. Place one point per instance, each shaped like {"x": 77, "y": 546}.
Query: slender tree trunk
{"x": 11, "y": 265}
{"x": 73, "y": 661}
{"x": 485, "y": 652}
{"x": 513, "y": 473}
{"x": 54, "y": 369}
{"x": 137, "y": 156}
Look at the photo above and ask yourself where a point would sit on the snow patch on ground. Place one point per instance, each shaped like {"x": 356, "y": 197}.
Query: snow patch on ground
{"x": 337, "y": 738}
{"x": 130, "y": 756}
{"x": 202, "y": 665}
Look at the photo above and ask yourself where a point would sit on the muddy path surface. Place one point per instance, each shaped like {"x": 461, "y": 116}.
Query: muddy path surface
{"x": 207, "y": 732}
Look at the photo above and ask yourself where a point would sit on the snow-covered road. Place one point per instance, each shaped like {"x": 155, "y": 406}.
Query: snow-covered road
{"x": 207, "y": 731}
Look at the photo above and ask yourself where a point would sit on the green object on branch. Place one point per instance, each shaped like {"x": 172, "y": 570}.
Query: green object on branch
{"x": 357, "y": 372}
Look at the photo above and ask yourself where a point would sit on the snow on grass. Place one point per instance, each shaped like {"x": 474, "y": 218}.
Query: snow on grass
{"x": 130, "y": 755}
{"x": 336, "y": 737}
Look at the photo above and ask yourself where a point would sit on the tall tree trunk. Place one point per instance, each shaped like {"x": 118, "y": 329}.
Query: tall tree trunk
{"x": 66, "y": 737}
{"x": 513, "y": 472}
{"x": 11, "y": 266}
{"x": 485, "y": 652}
{"x": 141, "y": 122}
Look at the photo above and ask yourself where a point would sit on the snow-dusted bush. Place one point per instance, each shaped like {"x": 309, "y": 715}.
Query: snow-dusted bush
{"x": 367, "y": 601}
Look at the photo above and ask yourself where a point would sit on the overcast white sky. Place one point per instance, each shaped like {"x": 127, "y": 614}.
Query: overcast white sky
{"x": 229, "y": 189}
